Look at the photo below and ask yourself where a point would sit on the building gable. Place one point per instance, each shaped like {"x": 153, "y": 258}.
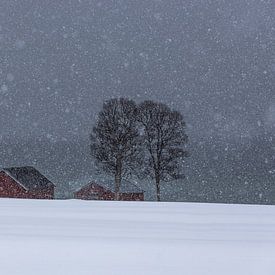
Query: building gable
{"x": 29, "y": 177}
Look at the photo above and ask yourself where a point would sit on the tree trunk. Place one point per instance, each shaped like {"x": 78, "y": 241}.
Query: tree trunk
{"x": 118, "y": 179}
{"x": 158, "y": 187}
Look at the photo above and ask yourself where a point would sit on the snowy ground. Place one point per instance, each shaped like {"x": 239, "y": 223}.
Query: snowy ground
{"x": 78, "y": 237}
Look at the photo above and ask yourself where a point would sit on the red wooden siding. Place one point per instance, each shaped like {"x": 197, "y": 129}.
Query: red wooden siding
{"x": 96, "y": 192}
{"x": 9, "y": 188}
{"x": 131, "y": 197}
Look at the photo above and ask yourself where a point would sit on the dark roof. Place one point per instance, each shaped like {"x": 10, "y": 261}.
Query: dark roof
{"x": 28, "y": 177}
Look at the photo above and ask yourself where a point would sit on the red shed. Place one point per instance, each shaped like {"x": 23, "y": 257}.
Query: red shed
{"x": 105, "y": 191}
{"x": 26, "y": 183}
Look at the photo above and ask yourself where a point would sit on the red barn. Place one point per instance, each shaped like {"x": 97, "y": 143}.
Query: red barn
{"x": 26, "y": 183}
{"x": 105, "y": 191}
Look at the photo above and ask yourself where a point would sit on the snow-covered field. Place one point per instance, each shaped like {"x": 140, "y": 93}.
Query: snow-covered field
{"x": 78, "y": 237}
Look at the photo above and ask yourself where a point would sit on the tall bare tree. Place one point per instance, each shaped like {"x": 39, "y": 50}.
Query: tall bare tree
{"x": 163, "y": 135}
{"x": 115, "y": 139}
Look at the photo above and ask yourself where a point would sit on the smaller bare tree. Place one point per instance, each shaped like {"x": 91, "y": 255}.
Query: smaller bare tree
{"x": 115, "y": 139}
{"x": 163, "y": 135}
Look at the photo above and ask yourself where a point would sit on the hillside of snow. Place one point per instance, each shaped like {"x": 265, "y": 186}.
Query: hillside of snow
{"x": 90, "y": 237}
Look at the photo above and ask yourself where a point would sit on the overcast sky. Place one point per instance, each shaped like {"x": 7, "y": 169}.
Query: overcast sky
{"x": 214, "y": 61}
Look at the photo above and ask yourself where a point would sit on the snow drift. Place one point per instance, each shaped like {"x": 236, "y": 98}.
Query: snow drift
{"x": 91, "y": 237}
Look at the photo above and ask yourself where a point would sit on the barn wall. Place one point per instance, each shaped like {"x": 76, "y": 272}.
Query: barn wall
{"x": 47, "y": 194}
{"x": 131, "y": 197}
{"x": 88, "y": 193}
{"x": 107, "y": 196}
{"x": 9, "y": 188}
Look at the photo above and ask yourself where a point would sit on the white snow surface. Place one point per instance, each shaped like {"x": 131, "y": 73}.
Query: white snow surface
{"x": 91, "y": 237}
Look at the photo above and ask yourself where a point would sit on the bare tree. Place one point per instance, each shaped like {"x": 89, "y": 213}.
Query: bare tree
{"x": 115, "y": 139}
{"x": 164, "y": 138}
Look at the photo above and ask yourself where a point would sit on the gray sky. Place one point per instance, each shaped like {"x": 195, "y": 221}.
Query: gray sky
{"x": 212, "y": 60}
